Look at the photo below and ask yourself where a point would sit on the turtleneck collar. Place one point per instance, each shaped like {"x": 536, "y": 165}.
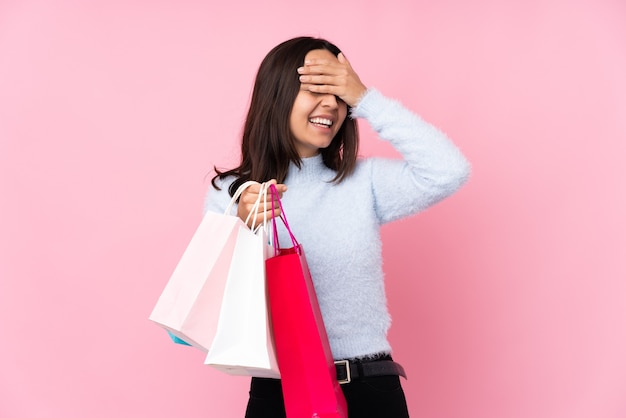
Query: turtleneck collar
{"x": 311, "y": 169}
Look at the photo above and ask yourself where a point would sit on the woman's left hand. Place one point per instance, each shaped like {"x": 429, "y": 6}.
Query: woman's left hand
{"x": 335, "y": 77}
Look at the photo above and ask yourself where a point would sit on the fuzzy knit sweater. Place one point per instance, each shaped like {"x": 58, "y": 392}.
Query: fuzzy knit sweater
{"x": 338, "y": 225}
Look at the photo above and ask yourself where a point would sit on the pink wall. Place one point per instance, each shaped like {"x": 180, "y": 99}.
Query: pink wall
{"x": 508, "y": 298}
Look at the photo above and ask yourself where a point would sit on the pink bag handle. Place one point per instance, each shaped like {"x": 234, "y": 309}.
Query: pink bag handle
{"x": 283, "y": 217}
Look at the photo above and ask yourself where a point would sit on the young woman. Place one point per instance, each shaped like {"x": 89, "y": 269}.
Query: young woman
{"x": 301, "y": 134}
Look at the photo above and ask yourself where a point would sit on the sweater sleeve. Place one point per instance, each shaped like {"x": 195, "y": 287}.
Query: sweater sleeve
{"x": 432, "y": 167}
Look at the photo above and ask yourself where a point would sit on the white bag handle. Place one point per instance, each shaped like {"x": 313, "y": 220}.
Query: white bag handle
{"x": 265, "y": 226}
{"x": 237, "y": 194}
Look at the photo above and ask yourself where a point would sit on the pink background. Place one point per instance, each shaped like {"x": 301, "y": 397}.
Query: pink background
{"x": 508, "y": 298}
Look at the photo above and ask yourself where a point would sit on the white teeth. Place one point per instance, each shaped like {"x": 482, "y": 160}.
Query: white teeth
{"x": 321, "y": 121}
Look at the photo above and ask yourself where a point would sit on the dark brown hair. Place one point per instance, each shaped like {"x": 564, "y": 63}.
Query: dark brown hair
{"x": 267, "y": 145}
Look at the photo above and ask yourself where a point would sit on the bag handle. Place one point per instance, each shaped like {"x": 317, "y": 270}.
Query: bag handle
{"x": 283, "y": 217}
{"x": 237, "y": 194}
{"x": 255, "y": 208}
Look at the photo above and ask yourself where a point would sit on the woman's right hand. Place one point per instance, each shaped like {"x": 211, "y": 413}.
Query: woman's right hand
{"x": 249, "y": 197}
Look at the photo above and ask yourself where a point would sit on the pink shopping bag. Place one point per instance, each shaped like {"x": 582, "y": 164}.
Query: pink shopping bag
{"x": 189, "y": 305}
{"x": 307, "y": 370}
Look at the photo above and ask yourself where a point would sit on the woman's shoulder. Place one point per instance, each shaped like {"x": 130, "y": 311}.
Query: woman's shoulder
{"x": 218, "y": 198}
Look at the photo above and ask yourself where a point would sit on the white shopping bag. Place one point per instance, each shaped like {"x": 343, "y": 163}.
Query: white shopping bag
{"x": 189, "y": 305}
{"x": 243, "y": 343}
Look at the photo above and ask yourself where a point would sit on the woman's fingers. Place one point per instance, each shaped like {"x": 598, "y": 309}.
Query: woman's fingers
{"x": 338, "y": 67}
{"x": 263, "y": 217}
{"x": 248, "y": 201}
{"x": 324, "y": 76}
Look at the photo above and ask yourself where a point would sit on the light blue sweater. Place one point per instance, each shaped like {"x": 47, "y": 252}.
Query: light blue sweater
{"x": 339, "y": 224}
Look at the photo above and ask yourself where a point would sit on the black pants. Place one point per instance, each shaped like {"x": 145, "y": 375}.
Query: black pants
{"x": 370, "y": 397}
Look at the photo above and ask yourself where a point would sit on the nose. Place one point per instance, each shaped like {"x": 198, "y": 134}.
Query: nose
{"x": 330, "y": 100}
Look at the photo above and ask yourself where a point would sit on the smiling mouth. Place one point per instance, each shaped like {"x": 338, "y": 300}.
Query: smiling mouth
{"x": 323, "y": 122}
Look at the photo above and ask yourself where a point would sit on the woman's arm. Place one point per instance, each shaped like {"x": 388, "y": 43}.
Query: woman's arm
{"x": 432, "y": 167}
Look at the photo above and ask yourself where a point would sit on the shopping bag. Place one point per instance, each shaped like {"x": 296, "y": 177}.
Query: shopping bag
{"x": 176, "y": 339}
{"x": 189, "y": 305}
{"x": 308, "y": 374}
{"x": 243, "y": 343}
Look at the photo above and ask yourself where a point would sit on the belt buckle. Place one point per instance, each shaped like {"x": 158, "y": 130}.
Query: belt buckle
{"x": 346, "y": 364}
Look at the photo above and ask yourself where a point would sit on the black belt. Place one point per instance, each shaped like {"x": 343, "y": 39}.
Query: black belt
{"x": 348, "y": 370}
